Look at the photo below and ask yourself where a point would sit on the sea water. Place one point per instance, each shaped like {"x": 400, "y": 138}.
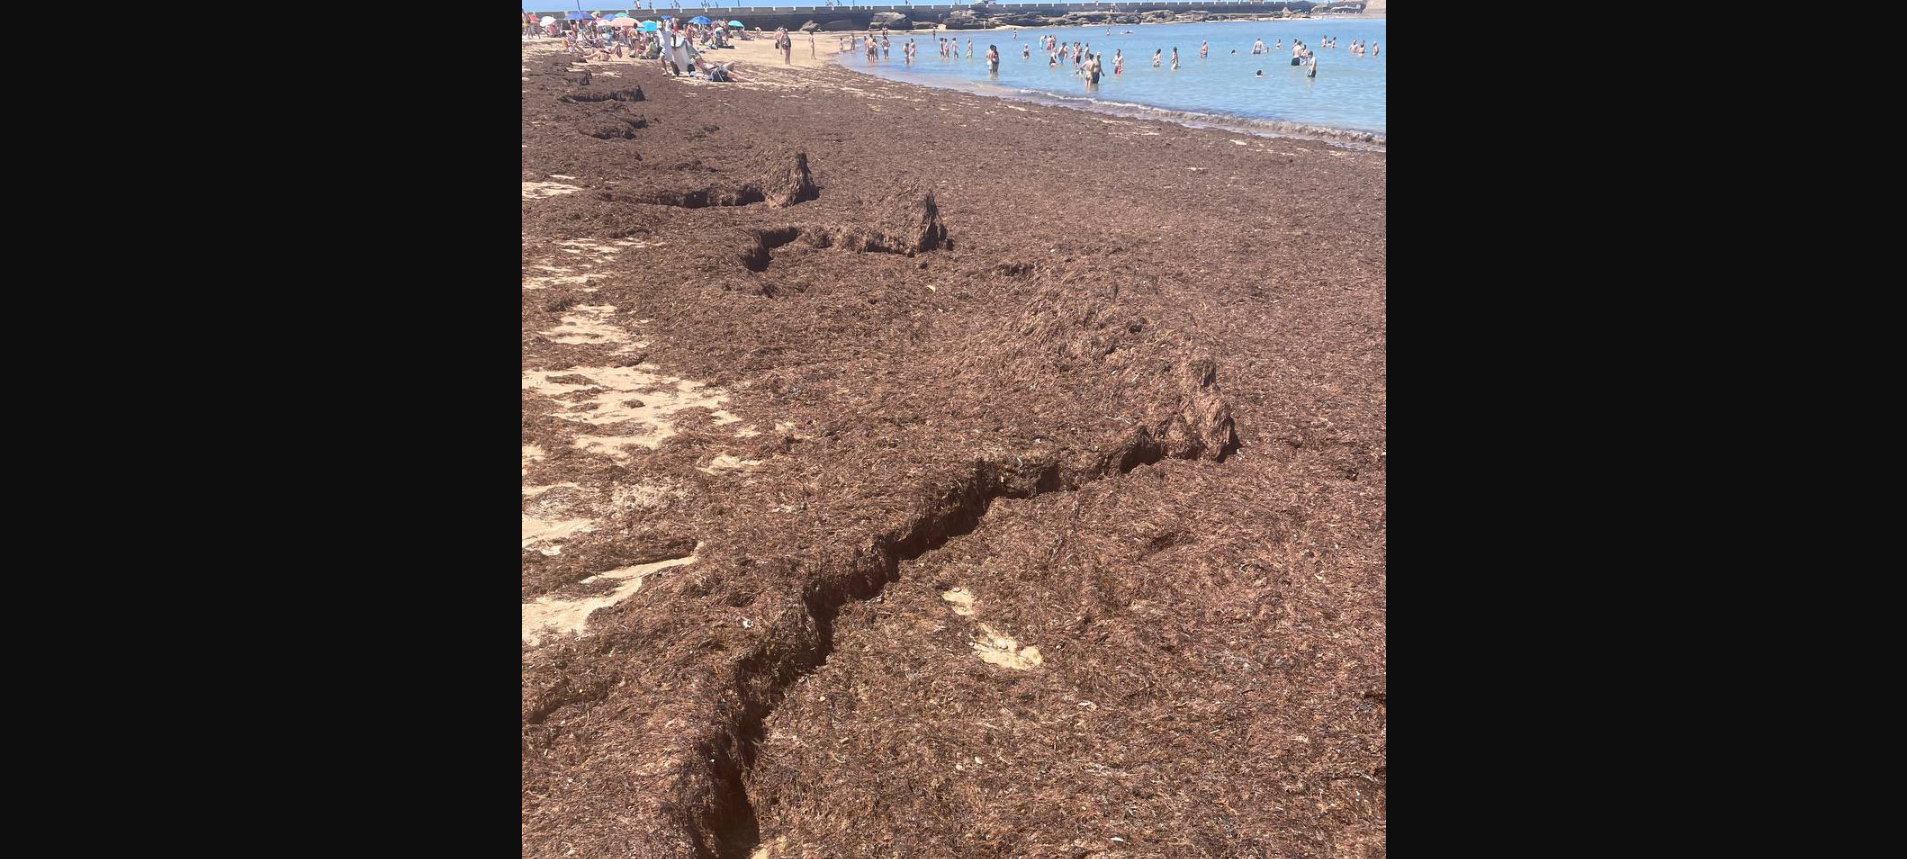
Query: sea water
{"x": 1345, "y": 100}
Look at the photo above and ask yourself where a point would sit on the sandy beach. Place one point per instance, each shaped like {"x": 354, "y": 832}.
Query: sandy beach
{"x": 908, "y": 472}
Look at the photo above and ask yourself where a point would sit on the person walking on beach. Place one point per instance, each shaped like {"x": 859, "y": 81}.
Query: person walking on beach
{"x": 811, "y": 53}
{"x": 784, "y": 45}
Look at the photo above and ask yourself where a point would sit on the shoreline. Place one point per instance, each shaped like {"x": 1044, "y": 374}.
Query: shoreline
{"x": 760, "y": 52}
{"x": 1348, "y": 138}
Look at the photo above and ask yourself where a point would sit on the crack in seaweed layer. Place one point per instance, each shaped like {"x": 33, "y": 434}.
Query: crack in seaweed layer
{"x": 721, "y": 817}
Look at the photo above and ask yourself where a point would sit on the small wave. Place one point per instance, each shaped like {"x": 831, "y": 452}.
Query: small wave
{"x": 1224, "y": 121}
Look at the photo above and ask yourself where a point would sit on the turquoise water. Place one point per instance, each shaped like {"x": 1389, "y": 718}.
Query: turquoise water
{"x": 1345, "y": 99}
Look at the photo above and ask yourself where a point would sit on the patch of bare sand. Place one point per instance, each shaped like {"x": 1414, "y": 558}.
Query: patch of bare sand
{"x": 997, "y": 648}
{"x": 962, "y": 600}
{"x": 727, "y": 462}
{"x": 545, "y": 534}
{"x": 542, "y": 190}
{"x": 639, "y": 404}
{"x": 549, "y": 616}
{"x": 589, "y": 325}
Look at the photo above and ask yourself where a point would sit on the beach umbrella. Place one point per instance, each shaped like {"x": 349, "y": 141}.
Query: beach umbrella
{"x": 734, "y": 23}
{"x": 624, "y": 23}
{"x": 699, "y": 19}
{"x": 650, "y": 26}
{"x": 547, "y": 20}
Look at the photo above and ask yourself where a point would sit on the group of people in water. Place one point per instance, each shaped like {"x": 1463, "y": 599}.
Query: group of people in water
{"x": 675, "y": 47}
{"x": 1087, "y": 64}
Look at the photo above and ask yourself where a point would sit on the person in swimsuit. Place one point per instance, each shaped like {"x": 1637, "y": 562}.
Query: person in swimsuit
{"x": 993, "y": 60}
{"x": 1175, "y": 59}
{"x": 1155, "y": 57}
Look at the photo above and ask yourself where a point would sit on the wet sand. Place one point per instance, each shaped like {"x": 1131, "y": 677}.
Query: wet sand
{"x": 911, "y": 472}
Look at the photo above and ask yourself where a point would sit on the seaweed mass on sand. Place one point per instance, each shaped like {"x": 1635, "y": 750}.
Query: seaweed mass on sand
{"x": 914, "y": 473}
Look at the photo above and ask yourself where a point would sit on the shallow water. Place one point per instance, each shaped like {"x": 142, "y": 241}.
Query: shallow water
{"x": 1347, "y": 94}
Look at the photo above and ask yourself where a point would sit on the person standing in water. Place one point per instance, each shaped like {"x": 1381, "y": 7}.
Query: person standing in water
{"x": 1203, "y": 49}
{"x": 993, "y": 60}
{"x": 1175, "y": 59}
{"x": 1314, "y": 68}
{"x": 1155, "y": 57}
